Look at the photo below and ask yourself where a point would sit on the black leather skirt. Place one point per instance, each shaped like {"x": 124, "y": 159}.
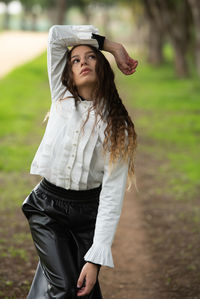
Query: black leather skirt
{"x": 62, "y": 224}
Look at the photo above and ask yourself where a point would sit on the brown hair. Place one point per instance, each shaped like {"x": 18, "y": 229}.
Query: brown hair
{"x": 120, "y": 135}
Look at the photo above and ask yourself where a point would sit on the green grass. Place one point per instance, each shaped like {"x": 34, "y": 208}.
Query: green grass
{"x": 24, "y": 101}
{"x": 167, "y": 118}
{"x": 167, "y": 115}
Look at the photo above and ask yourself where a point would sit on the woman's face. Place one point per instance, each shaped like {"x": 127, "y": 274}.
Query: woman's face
{"x": 83, "y": 61}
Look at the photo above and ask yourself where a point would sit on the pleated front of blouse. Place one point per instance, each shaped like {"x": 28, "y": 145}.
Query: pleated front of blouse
{"x": 66, "y": 151}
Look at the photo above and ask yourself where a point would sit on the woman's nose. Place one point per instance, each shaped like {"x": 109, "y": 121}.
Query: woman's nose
{"x": 83, "y": 61}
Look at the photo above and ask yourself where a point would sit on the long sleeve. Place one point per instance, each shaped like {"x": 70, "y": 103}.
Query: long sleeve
{"x": 110, "y": 205}
{"x": 59, "y": 39}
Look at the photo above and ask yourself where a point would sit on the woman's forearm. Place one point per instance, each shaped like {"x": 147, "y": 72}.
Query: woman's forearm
{"x": 110, "y": 46}
{"x": 125, "y": 63}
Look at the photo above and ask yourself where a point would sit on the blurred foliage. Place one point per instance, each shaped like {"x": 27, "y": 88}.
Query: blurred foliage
{"x": 168, "y": 122}
{"x": 169, "y": 106}
{"x": 154, "y": 22}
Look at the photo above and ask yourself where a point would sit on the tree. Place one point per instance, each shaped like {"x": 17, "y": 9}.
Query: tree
{"x": 58, "y": 7}
{"x": 83, "y": 6}
{"x": 156, "y": 32}
{"x": 6, "y": 19}
{"x": 176, "y": 18}
{"x": 195, "y": 8}
{"x": 172, "y": 19}
{"x": 61, "y": 10}
{"x": 28, "y": 10}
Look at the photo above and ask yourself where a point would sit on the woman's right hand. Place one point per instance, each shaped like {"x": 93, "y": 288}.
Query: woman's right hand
{"x": 88, "y": 275}
{"x": 125, "y": 63}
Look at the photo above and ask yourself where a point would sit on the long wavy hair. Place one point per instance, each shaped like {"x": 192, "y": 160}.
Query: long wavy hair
{"x": 120, "y": 135}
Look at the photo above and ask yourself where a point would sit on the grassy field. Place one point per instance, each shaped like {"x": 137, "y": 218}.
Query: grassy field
{"x": 24, "y": 101}
{"x": 167, "y": 118}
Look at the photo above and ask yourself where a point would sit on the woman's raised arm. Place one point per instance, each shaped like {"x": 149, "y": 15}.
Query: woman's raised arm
{"x": 125, "y": 63}
{"x": 59, "y": 39}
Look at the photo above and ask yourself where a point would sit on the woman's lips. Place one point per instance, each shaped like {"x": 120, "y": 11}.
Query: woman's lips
{"x": 85, "y": 71}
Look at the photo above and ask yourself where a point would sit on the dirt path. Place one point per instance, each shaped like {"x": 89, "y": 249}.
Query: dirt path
{"x": 133, "y": 274}
{"x": 18, "y": 47}
{"x": 136, "y": 275}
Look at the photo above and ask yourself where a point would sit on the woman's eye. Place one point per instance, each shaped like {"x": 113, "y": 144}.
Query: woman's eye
{"x": 75, "y": 61}
{"x": 92, "y": 57}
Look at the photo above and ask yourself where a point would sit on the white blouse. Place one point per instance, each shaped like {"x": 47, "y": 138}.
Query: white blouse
{"x": 72, "y": 158}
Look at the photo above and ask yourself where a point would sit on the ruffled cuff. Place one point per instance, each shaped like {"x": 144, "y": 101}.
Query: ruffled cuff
{"x": 100, "y": 254}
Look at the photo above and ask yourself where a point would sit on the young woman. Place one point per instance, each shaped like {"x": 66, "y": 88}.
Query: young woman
{"x": 84, "y": 159}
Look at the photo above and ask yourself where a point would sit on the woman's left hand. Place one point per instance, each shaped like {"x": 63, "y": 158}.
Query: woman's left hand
{"x": 125, "y": 63}
{"x": 89, "y": 276}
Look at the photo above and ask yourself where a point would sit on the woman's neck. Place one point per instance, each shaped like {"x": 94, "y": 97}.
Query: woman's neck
{"x": 85, "y": 93}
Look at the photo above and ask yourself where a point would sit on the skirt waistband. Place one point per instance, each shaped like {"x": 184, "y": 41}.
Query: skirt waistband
{"x": 69, "y": 194}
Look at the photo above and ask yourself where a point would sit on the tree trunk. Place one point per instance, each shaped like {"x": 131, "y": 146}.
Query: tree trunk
{"x": 61, "y": 10}
{"x": 52, "y": 15}
{"x": 6, "y": 20}
{"x": 155, "y": 44}
{"x": 33, "y": 21}
{"x": 86, "y": 14}
{"x": 176, "y": 21}
{"x": 195, "y": 8}
{"x": 155, "y": 38}
{"x": 23, "y": 25}
{"x": 106, "y": 23}
{"x": 181, "y": 67}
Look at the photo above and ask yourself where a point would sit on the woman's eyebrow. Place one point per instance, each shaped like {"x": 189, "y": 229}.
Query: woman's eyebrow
{"x": 89, "y": 52}
{"x": 74, "y": 56}
{"x": 85, "y": 53}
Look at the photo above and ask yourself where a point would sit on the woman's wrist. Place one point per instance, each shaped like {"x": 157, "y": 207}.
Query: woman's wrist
{"x": 110, "y": 46}
{"x": 97, "y": 265}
